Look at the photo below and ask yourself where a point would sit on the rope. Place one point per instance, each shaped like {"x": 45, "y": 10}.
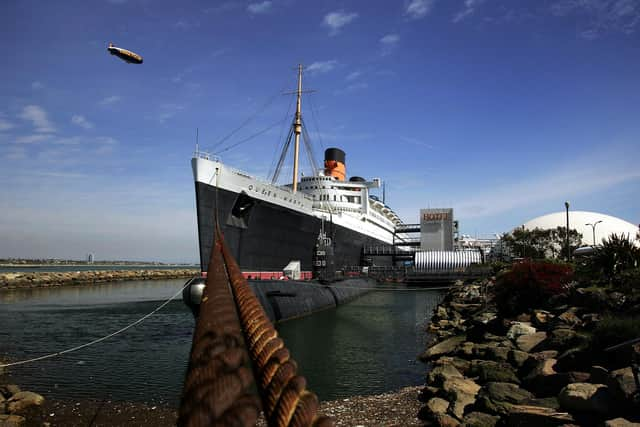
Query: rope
{"x": 249, "y": 138}
{"x": 96, "y": 341}
{"x": 247, "y": 121}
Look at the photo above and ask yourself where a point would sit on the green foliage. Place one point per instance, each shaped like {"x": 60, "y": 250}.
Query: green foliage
{"x": 616, "y": 254}
{"x": 627, "y": 280}
{"x": 539, "y": 244}
{"x": 529, "y": 284}
{"x": 610, "y": 331}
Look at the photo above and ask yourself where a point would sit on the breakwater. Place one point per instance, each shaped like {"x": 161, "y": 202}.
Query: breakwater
{"x": 540, "y": 366}
{"x": 46, "y": 279}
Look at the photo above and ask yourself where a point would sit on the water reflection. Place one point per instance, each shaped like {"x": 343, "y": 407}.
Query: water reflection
{"x": 367, "y": 346}
{"x": 86, "y": 295}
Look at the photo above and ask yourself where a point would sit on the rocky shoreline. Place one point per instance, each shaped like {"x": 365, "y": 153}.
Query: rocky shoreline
{"x": 10, "y": 281}
{"x": 533, "y": 369}
{"x": 389, "y": 409}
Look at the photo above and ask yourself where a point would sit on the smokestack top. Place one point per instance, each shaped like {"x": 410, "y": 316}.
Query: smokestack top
{"x": 335, "y": 154}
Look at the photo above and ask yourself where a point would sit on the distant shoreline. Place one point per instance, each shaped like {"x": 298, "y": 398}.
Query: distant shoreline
{"x": 22, "y": 280}
{"x": 95, "y": 264}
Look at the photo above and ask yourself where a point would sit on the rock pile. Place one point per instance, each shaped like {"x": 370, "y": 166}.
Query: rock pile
{"x": 532, "y": 370}
{"x": 45, "y": 279}
{"x": 15, "y": 405}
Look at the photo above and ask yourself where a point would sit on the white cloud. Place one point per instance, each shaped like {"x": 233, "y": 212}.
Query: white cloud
{"x": 168, "y": 110}
{"x": 388, "y": 43}
{"x": 322, "y": 66}
{"x": 37, "y": 85}
{"x": 224, "y": 7}
{"x": 81, "y": 121}
{"x": 468, "y": 10}
{"x": 353, "y": 75}
{"x": 417, "y": 9}
{"x": 109, "y": 100}
{"x": 30, "y": 139}
{"x": 336, "y": 20}
{"x": 357, "y": 86}
{"x": 602, "y": 15}
{"x": 258, "y": 8}
{"x": 15, "y": 152}
{"x": 38, "y": 117}
{"x": 568, "y": 181}
{"x": 5, "y": 124}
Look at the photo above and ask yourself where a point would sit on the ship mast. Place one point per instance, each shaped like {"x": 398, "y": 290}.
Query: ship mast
{"x": 297, "y": 129}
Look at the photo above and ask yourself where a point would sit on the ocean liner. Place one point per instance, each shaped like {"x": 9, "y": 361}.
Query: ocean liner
{"x": 267, "y": 225}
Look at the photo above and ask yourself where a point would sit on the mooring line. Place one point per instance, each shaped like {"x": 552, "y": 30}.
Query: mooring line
{"x": 96, "y": 341}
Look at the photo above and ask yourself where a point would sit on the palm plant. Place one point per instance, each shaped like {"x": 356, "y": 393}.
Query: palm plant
{"x": 616, "y": 254}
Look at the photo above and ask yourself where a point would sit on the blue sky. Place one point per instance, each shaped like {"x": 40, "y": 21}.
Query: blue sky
{"x": 500, "y": 109}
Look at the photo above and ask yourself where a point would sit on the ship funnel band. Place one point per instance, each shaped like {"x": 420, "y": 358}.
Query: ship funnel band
{"x": 335, "y": 154}
{"x": 334, "y": 163}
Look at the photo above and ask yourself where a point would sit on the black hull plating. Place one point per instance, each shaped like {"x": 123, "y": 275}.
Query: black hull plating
{"x": 263, "y": 236}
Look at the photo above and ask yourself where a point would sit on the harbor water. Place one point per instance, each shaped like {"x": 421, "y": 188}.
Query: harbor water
{"x": 365, "y": 347}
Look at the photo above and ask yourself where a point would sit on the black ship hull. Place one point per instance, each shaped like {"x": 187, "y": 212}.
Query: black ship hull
{"x": 264, "y": 236}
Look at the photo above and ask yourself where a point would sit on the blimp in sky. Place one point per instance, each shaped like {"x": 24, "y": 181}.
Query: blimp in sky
{"x": 124, "y": 54}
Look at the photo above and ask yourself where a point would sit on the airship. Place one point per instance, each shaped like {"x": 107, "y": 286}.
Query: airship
{"x": 124, "y": 54}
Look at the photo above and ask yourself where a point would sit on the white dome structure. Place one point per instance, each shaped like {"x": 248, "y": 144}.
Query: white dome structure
{"x": 578, "y": 220}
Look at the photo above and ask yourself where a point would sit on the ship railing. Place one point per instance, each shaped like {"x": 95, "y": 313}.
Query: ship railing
{"x": 205, "y": 156}
{"x": 267, "y": 183}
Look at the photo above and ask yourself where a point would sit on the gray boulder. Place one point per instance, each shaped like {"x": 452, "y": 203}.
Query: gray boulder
{"x": 12, "y": 421}
{"x": 437, "y": 406}
{"x": 498, "y": 354}
{"x": 620, "y": 422}
{"x": 622, "y": 384}
{"x": 541, "y": 318}
{"x": 529, "y": 342}
{"x": 441, "y": 373}
{"x": 461, "y": 394}
{"x": 586, "y": 398}
{"x": 537, "y": 416}
{"x": 490, "y": 371}
{"x": 544, "y": 381}
{"x": 23, "y": 400}
{"x": 520, "y": 328}
{"x": 479, "y": 419}
{"x": 460, "y": 364}
{"x": 443, "y": 347}
{"x": 517, "y": 358}
{"x": 497, "y": 398}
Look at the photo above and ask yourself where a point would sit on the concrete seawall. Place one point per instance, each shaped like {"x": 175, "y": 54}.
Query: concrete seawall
{"x": 285, "y": 300}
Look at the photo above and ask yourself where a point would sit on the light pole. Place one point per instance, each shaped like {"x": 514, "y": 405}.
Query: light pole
{"x": 593, "y": 228}
{"x": 566, "y": 205}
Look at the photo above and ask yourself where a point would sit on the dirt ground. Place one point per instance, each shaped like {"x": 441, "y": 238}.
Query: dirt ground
{"x": 389, "y": 409}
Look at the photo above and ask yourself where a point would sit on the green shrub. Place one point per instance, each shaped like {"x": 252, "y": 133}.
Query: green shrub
{"x": 529, "y": 284}
{"x": 627, "y": 281}
{"x": 610, "y": 331}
